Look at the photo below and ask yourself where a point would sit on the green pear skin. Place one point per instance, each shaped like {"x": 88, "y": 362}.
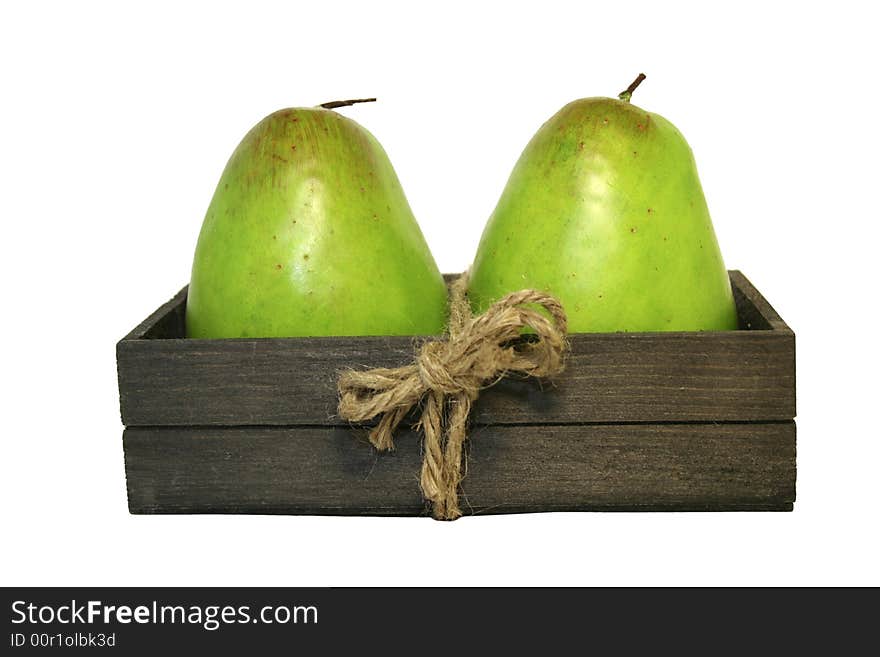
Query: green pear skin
{"x": 309, "y": 234}
{"x": 604, "y": 210}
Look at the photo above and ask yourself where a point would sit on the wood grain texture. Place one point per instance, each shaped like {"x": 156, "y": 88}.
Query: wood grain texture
{"x": 327, "y": 470}
{"x": 745, "y": 375}
{"x": 755, "y": 312}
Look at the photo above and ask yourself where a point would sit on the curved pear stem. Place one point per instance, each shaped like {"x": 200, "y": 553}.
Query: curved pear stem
{"x": 333, "y": 104}
{"x": 627, "y": 93}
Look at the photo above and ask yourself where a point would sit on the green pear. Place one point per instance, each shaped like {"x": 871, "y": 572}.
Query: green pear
{"x": 309, "y": 234}
{"x": 604, "y": 210}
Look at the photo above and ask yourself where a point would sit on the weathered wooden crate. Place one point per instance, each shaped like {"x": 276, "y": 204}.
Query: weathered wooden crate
{"x": 639, "y": 421}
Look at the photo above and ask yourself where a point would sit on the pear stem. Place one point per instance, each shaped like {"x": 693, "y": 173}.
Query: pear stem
{"x": 333, "y": 104}
{"x": 627, "y": 93}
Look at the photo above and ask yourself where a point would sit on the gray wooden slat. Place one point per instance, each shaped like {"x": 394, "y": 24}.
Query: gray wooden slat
{"x": 752, "y": 307}
{"x": 167, "y": 321}
{"x": 325, "y": 470}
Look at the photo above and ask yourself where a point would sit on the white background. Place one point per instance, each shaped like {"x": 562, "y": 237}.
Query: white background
{"x": 116, "y": 124}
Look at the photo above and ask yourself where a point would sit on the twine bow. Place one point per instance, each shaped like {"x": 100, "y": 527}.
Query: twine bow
{"x": 447, "y": 377}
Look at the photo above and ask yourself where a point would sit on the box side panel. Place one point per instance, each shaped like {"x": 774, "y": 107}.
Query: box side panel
{"x": 755, "y": 312}
{"x": 725, "y": 376}
{"x": 165, "y": 322}
{"x": 510, "y": 469}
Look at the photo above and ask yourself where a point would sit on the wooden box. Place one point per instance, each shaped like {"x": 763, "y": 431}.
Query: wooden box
{"x": 689, "y": 421}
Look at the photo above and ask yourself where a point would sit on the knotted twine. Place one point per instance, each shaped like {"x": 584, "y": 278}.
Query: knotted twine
{"x": 447, "y": 377}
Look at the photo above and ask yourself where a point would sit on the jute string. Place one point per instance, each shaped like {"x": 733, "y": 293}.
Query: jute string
{"x": 447, "y": 377}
